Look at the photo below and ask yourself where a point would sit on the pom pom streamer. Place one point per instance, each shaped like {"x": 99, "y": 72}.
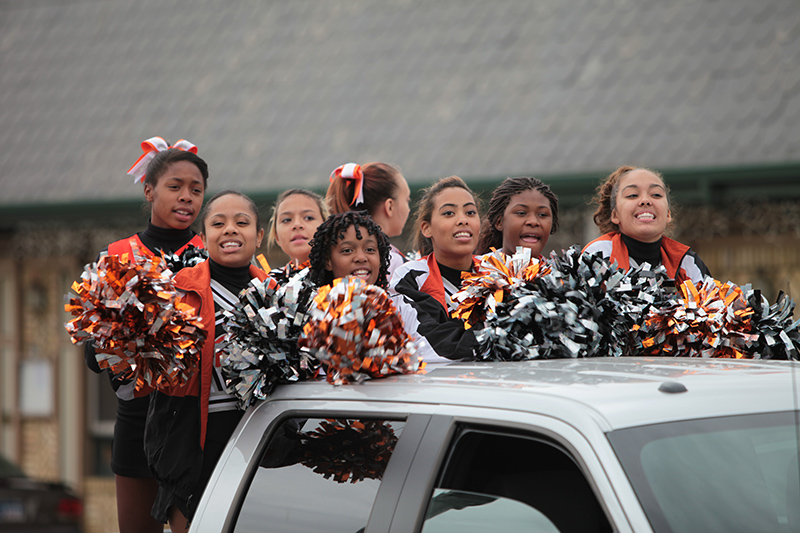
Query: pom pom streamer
{"x": 555, "y": 317}
{"x": 356, "y": 332}
{"x": 130, "y": 309}
{"x": 495, "y": 277}
{"x": 712, "y": 320}
{"x": 585, "y": 307}
{"x": 575, "y": 306}
{"x": 778, "y": 334}
{"x": 261, "y": 346}
{"x": 190, "y": 257}
{"x": 349, "y": 450}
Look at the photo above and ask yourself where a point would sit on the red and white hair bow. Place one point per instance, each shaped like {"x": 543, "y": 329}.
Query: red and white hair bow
{"x": 351, "y": 171}
{"x": 151, "y": 147}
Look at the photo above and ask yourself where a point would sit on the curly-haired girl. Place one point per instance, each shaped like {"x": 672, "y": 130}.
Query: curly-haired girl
{"x": 633, "y": 210}
{"x": 349, "y": 244}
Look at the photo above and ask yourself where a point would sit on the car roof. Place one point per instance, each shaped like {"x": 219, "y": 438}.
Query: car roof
{"x": 615, "y": 392}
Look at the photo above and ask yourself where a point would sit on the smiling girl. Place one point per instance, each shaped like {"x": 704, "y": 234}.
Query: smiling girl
{"x": 446, "y": 233}
{"x": 349, "y": 244}
{"x": 633, "y": 210}
{"x": 522, "y": 212}
{"x": 188, "y": 426}
{"x": 295, "y": 217}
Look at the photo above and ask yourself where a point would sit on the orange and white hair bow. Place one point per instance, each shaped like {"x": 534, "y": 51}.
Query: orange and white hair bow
{"x": 151, "y": 147}
{"x": 351, "y": 171}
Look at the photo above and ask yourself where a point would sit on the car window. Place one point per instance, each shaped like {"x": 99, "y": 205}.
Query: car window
{"x": 319, "y": 475}
{"x": 529, "y": 470}
{"x": 728, "y": 474}
{"x": 467, "y": 512}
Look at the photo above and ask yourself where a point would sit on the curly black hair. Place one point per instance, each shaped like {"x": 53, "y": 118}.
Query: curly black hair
{"x": 332, "y": 231}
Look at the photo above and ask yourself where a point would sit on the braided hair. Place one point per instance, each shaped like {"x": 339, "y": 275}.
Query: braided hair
{"x": 332, "y": 231}
{"x": 491, "y": 237}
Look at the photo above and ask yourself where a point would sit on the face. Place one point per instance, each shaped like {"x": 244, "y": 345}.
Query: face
{"x": 401, "y": 207}
{"x": 526, "y": 222}
{"x": 229, "y": 233}
{"x": 352, "y": 256}
{"x": 642, "y": 210}
{"x": 454, "y": 227}
{"x": 296, "y": 220}
{"x": 177, "y": 197}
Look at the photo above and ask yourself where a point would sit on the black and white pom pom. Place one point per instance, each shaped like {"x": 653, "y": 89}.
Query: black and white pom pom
{"x": 778, "y": 332}
{"x": 261, "y": 347}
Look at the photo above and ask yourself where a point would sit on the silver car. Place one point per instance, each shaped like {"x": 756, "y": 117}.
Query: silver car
{"x": 660, "y": 444}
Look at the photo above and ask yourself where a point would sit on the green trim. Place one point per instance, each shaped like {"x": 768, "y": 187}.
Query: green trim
{"x": 689, "y": 186}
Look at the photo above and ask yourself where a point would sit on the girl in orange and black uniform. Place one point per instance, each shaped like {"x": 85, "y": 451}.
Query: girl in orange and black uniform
{"x": 189, "y": 425}
{"x": 446, "y": 233}
{"x": 174, "y": 185}
{"x": 634, "y": 212}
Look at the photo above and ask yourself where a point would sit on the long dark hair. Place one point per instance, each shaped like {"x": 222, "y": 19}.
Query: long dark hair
{"x": 424, "y": 210}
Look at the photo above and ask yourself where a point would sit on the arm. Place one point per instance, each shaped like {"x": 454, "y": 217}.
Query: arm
{"x": 423, "y": 314}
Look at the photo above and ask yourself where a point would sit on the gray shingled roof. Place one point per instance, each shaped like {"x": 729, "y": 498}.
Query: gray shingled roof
{"x": 277, "y": 94}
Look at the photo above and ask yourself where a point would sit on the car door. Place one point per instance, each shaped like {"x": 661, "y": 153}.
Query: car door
{"x": 493, "y": 470}
{"x": 313, "y": 466}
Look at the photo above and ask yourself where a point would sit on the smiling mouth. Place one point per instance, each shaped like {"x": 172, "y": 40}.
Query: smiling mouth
{"x": 183, "y": 212}
{"x": 231, "y": 245}
{"x": 645, "y": 216}
{"x": 463, "y": 235}
{"x": 361, "y": 273}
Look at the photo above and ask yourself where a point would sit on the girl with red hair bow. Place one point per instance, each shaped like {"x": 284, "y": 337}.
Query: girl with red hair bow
{"x": 175, "y": 181}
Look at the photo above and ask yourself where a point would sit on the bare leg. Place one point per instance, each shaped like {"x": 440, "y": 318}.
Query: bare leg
{"x": 135, "y": 497}
{"x": 177, "y": 522}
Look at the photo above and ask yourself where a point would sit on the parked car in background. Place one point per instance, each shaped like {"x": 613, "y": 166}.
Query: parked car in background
{"x": 587, "y": 445}
{"x": 31, "y": 506}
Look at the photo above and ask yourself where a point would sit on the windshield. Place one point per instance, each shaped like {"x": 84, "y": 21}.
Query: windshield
{"x": 722, "y": 474}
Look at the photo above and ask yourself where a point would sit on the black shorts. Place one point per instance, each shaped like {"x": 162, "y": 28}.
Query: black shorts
{"x": 127, "y": 451}
{"x": 220, "y": 428}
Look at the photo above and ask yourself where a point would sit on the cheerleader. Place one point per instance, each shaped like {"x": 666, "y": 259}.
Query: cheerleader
{"x": 175, "y": 180}
{"x": 378, "y": 188}
{"x": 446, "y": 233}
{"x": 295, "y": 217}
{"x": 633, "y": 210}
{"x": 349, "y": 244}
{"x": 189, "y": 425}
{"x": 522, "y": 212}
